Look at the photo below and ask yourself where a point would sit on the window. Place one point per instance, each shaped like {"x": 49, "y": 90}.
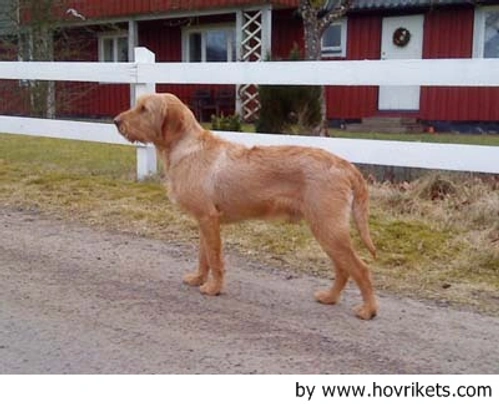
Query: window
{"x": 113, "y": 48}
{"x": 209, "y": 44}
{"x": 486, "y": 41}
{"x": 334, "y": 40}
{"x": 491, "y": 45}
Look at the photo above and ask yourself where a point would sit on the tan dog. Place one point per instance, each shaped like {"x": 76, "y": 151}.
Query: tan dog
{"x": 217, "y": 181}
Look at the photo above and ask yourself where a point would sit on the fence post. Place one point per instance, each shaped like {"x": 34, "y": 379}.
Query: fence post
{"x": 146, "y": 154}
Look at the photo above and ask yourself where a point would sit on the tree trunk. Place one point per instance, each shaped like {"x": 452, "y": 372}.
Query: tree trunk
{"x": 42, "y": 92}
{"x": 316, "y": 20}
{"x": 313, "y": 37}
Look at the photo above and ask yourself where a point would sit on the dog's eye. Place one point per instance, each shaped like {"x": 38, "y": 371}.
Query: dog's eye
{"x": 143, "y": 108}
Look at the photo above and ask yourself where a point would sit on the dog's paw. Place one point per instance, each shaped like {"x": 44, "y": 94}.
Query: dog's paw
{"x": 365, "y": 312}
{"x": 211, "y": 288}
{"x": 194, "y": 279}
{"x": 326, "y": 297}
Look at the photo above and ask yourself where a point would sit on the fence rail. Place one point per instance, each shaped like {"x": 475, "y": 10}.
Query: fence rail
{"x": 401, "y": 154}
{"x": 424, "y": 72}
{"x": 145, "y": 73}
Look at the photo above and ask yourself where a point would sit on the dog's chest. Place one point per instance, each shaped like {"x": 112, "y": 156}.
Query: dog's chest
{"x": 185, "y": 192}
{"x": 171, "y": 192}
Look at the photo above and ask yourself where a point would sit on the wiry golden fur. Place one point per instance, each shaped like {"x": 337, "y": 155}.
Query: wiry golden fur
{"x": 217, "y": 181}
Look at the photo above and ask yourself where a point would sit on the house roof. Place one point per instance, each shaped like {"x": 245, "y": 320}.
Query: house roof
{"x": 376, "y": 4}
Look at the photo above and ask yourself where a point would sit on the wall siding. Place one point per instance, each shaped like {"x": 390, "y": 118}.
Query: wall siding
{"x": 287, "y": 30}
{"x": 106, "y": 100}
{"x": 364, "y": 42}
{"x": 165, "y": 40}
{"x": 449, "y": 34}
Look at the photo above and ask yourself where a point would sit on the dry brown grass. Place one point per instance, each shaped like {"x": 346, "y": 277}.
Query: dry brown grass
{"x": 458, "y": 218}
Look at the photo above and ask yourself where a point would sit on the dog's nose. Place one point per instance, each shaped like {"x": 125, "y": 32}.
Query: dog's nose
{"x": 117, "y": 121}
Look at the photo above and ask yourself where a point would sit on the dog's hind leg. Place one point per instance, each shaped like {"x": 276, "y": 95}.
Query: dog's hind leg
{"x": 361, "y": 274}
{"x": 201, "y": 276}
{"x": 210, "y": 229}
{"x": 326, "y": 238}
{"x": 346, "y": 262}
{"x": 333, "y": 295}
{"x": 334, "y": 237}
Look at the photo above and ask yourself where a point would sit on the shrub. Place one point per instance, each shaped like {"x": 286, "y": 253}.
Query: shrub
{"x": 228, "y": 123}
{"x": 292, "y": 109}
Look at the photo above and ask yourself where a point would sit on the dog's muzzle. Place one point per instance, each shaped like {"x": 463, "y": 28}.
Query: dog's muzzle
{"x": 121, "y": 129}
{"x": 117, "y": 121}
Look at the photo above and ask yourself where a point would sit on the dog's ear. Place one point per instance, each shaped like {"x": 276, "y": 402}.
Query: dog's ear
{"x": 174, "y": 117}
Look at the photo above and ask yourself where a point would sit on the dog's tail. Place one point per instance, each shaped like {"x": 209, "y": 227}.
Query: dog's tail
{"x": 360, "y": 208}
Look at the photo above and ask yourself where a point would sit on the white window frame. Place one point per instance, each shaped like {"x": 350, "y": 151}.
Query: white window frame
{"x": 203, "y": 29}
{"x": 115, "y": 36}
{"x": 479, "y": 30}
{"x": 337, "y": 51}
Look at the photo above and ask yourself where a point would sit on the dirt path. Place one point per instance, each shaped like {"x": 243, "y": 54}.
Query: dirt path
{"x": 77, "y": 300}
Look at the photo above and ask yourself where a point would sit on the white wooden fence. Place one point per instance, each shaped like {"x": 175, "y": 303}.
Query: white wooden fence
{"x": 145, "y": 73}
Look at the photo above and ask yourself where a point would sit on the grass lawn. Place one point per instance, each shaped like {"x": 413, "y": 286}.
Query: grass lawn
{"x": 437, "y": 238}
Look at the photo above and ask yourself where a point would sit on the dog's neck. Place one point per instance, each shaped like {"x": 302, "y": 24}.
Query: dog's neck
{"x": 176, "y": 151}
{"x": 182, "y": 149}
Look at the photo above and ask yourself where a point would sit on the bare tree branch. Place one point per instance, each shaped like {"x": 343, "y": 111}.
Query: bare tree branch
{"x": 334, "y": 14}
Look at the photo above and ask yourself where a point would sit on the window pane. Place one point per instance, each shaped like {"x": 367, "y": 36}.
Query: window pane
{"x": 108, "y": 54}
{"x": 195, "y": 47}
{"x": 122, "y": 49}
{"x": 332, "y": 37}
{"x": 216, "y": 46}
{"x": 491, "y": 49}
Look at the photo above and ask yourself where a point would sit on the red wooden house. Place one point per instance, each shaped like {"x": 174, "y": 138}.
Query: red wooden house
{"x": 230, "y": 30}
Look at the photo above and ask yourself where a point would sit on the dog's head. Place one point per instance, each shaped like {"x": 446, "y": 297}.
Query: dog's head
{"x": 160, "y": 119}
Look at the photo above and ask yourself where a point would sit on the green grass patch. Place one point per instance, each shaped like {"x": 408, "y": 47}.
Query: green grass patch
{"x": 445, "y": 249}
{"x": 68, "y": 156}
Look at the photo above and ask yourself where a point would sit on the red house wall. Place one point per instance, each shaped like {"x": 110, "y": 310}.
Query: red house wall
{"x": 345, "y": 102}
{"x": 14, "y": 98}
{"x": 83, "y": 99}
{"x": 106, "y": 100}
{"x": 364, "y": 42}
{"x": 287, "y": 30}
{"x": 449, "y": 34}
{"x": 165, "y": 40}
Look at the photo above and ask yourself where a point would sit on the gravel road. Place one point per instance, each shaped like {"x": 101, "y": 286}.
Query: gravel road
{"x": 79, "y": 300}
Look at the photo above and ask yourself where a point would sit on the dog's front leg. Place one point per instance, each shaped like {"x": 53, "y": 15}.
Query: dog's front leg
{"x": 210, "y": 230}
{"x": 201, "y": 276}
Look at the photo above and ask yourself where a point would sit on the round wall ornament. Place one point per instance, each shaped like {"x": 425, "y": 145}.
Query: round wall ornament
{"x": 401, "y": 37}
